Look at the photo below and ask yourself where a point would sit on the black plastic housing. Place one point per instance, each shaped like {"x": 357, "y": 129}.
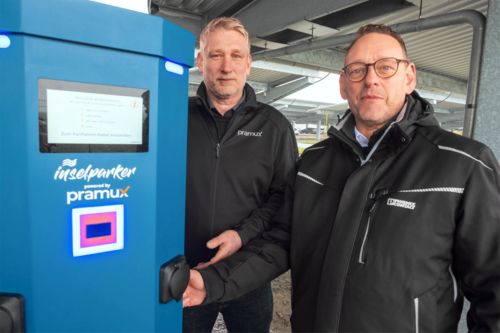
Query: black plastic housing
{"x": 174, "y": 278}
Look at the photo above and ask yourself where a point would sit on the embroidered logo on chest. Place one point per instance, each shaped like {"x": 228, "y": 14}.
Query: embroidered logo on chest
{"x": 248, "y": 133}
{"x": 401, "y": 203}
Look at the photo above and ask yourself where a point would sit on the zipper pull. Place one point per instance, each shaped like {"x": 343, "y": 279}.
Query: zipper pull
{"x": 217, "y": 150}
{"x": 377, "y": 194}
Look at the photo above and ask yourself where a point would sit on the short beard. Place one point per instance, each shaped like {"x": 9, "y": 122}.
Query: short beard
{"x": 219, "y": 96}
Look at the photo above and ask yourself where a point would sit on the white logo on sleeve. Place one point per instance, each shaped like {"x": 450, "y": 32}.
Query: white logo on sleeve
{"x": 401, "y": 203}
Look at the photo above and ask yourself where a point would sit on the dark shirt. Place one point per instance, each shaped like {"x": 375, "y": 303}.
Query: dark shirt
{"x": 222, "y": 121}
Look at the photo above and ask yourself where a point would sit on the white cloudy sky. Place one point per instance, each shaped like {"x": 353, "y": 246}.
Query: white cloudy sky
{"x": 324, "y": 91}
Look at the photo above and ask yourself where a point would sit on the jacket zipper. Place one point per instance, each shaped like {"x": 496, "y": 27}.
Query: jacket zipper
{"x": 217, "y": 161}
{"x": 217, "y": 150}
{"x": 214, "y": 192}
{"x": 375, "y": 196}
{"x": 362, "y": 251}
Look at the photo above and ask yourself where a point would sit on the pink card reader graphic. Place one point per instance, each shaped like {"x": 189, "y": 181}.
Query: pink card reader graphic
{"x": 97, "y": 229}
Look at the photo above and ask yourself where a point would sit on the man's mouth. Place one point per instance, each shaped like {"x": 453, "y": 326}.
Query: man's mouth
{"x": 226, "y": 79}
{"x": 371, "y": 97}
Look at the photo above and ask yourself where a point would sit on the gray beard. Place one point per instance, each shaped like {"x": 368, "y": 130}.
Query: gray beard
{"x": 220, "y": 96}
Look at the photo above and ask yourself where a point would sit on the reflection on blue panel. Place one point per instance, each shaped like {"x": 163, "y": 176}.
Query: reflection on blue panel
{"x": 174, "y": 68}
{"x": 4, "y": 42}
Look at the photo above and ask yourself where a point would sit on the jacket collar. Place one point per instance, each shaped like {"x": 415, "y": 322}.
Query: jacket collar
{"x": 417, "y": 112}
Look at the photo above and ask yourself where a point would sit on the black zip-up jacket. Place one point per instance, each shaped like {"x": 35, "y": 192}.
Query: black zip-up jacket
{"x": 388, "y": 241}
{"x": 236, "y": 182}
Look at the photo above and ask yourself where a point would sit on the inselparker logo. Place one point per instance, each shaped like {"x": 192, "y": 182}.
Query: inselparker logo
{"x": 68, "y": 171}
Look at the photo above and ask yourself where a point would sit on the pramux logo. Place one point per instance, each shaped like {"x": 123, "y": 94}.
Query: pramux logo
{"x": 69, "y": 171}
{"x": 248, "y": 133}
{"x": 96, "y": 192}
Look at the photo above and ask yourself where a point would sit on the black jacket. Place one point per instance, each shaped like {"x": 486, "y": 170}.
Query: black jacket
{"x": 238, "y": 182}
{"x": 388, "y": 243}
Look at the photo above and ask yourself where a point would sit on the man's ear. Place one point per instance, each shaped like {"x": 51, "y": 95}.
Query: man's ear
{"x": 249, "y": 64}
{"x": 342, "y": 86}
{"x": 410, "y": 78}
{"x": 199, "y": 62}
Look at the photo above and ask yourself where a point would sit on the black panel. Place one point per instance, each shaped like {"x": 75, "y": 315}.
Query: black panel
{"x": 231, "y": 11}
{"x": 11, "y": 313}
{"x": 285, "y": 36}
{"x": 174, "y": 278}
{"x": 361, "y": 12}
{"x": 254, "y": 49}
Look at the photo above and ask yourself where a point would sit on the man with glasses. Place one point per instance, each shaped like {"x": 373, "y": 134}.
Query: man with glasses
{"x": 391, "y": 220}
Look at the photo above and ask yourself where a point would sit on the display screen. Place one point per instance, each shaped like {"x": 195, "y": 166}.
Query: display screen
{"x": 81, "y": 117}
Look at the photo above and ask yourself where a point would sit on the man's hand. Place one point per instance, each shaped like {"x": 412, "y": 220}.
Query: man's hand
{"x": 228, "y": 243}
{"x": 195, "y": 292}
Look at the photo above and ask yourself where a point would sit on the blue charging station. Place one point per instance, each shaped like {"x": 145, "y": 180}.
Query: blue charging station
{"x": 93, "y": 120}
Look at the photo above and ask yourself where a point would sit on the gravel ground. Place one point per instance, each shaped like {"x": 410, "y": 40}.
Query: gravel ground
{"x": 282, "y": 307}
{"x": 282, "y": 287}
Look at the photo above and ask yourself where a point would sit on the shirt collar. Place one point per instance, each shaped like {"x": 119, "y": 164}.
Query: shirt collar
{"x": 364, "y": 141}
{"x": 235, "y": 108}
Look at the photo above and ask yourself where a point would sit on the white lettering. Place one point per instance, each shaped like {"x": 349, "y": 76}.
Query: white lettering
{"x": 401, "y": 203}
{"x": 247, "y": 133}
{"x": 67, "y": 172}
{"x": 70, "y": 197}
{"x": 86, "y": 195}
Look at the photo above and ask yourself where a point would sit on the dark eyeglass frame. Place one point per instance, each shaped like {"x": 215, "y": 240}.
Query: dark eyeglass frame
{"x": 373, "y": 64}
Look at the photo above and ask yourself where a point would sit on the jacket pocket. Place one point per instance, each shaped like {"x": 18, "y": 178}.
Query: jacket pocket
{"x": 362, "y": 250}
{"x": 416, "y": 304}
{"x": 425, "y": 311}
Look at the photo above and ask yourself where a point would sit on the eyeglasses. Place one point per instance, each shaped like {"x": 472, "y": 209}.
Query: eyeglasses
{"x": 384, "y": 68}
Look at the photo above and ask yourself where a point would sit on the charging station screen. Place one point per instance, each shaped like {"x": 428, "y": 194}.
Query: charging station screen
{"x": 80, "y": 117}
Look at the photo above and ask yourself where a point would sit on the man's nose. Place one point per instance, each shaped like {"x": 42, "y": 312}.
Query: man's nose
{"x": 227, "y": 64}
{"x": 371, "y": 77}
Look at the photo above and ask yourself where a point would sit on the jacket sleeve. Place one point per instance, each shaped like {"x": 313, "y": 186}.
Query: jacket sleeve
{"x": 261, "y": 260}
{"x": 477, "y": 245}
{"x": 286, "y": 154}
